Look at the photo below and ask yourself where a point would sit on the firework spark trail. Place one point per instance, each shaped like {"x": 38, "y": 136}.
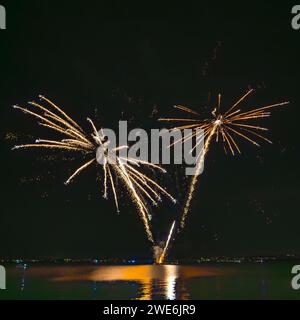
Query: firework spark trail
{"x": 79, "y": 170}
{"x": 138, "y": 185}
{"x": 199, "y": 168}
{"x": 163, "y": 255}
{"x": 228, "y": 125}
{"x": 138, "y": 201}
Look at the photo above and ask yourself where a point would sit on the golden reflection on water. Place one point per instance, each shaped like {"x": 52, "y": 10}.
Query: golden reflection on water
{"x": 156, "y": 281}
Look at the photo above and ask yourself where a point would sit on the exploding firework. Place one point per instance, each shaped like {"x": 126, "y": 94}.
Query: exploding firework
{"x": 126, "y": 169}
{"x": 225, "y": 127}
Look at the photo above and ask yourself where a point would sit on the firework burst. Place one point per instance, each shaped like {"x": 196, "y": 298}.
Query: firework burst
{"x": 226, "y": 127}
{"x": 140, "y": 187}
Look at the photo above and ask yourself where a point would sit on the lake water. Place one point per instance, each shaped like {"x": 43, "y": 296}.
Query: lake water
{"x": 207, "y": 281}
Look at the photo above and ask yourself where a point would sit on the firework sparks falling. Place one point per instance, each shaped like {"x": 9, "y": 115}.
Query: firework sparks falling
{"x": 139, "y": 186}
{"x": 163, "y": 255}
{"x": 226, "y": 127}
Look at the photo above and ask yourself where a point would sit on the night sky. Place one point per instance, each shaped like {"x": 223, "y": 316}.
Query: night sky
{"x": 112, "y": 62}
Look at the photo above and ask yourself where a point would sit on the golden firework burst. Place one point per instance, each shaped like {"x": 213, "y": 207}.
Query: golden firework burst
{"x": 126, "y": 169}
{"x": 227, "y": 127}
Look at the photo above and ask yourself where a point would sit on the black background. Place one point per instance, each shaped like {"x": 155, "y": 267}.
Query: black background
{"x": 112, "y": 61}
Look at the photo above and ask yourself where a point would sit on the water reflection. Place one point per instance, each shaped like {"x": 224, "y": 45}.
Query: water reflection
{"x": 155, "y": 281}
{"x": 171, "y": 284}
{"x": 220, "y": 281}
{"x": 164, "y": 284}
{"x": 22, "y": 267}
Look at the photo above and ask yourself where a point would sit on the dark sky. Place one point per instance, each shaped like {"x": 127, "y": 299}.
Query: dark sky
{"x": 114, "y": 62}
